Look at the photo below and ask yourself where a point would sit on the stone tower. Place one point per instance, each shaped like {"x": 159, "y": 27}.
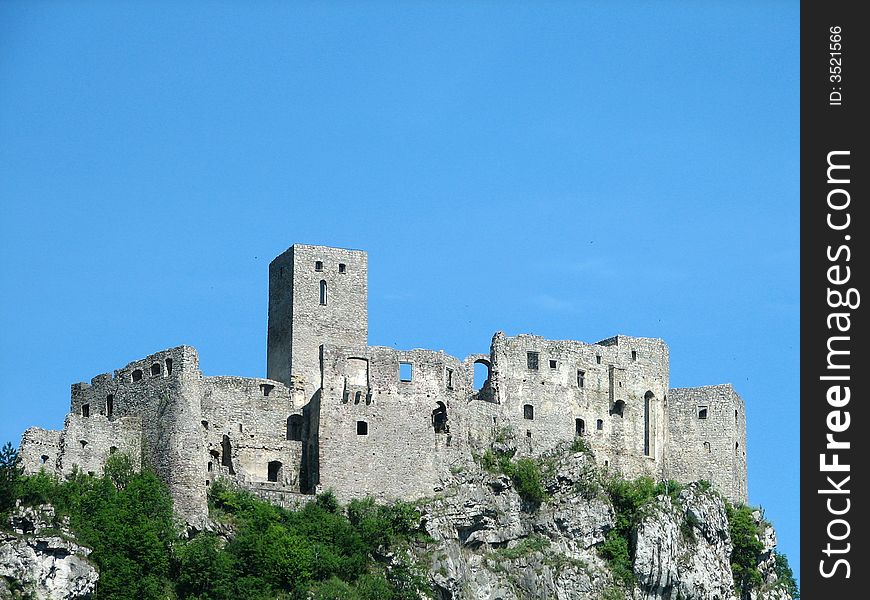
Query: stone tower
{"x": 317, "y": 295}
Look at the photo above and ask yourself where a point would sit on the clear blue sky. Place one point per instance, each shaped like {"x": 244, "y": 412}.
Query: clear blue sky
{"x": 566, "y": 169}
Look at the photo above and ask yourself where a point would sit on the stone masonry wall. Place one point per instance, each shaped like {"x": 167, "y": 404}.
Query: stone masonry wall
{"x": 606, "y": 404}
{"x": 377, "y": 433}
{"x": 248, "y": 424}
{"x": 308, "y": 318}
{"x": 713, "y": 447}
{"x": 40, "y": 449}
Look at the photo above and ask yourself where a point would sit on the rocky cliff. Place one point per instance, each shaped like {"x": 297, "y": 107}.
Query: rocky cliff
{"x": 501, "y": 529}
{"x": 491, "y": 544}
{"x": 39, "y": 560}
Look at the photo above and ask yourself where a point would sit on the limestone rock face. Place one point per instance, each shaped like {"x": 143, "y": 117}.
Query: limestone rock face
{"x": 682, "y": 549}
{"x": 38, "y": 560}
{"x": 493, "y": 545}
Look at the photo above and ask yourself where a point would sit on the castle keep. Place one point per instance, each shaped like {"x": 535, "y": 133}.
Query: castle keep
{"x": 336, "y": 413}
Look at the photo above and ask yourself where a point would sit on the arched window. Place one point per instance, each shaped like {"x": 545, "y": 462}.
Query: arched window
{"x": 137, "y": 375}
{"x": 294, "y": 428}
{"x": 155, "y": 369}
{"x": 357, "y": 397}
{"x": 707, "y": 446}
{"x": 528, "y": 412}
{"x": 579, "y": 427}
{"x": 599, "y": 424}
{"x": 274, "y": 470}
{"x": 439, "y": 418}
{"x": 323, "y": 292}
{"x": 618, "y": 408}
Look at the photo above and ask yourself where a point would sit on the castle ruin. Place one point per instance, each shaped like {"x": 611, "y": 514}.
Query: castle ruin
{"x": 336, "y": 413}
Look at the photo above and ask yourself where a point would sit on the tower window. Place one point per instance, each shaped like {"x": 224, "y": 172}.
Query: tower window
{"x": 137, "y": 375}
{"x": 323, "y": 293}
{"x": 110, "y": 405}
{"x": 169, "y": 366}
{"x": 44, "y": 458}
{"x": 532, "y": 360}
{"x": 598, "y": 359}
{"x": 342, "y": 268}
{"x": 266, "y": 388}
{"x": 599, "y": 424}
{"x": 581, "y": 378}
{"x": 155, "y": 369}
{"x": 579, "y": 427}
{"x": 553, "y": 364}
{"x": 528, "y": 412}
{"x": 86, "y": 410}
{"x": 406, "y": 371}
{"x": 702, "y": 412}
{"x": 634, "y": 355}
{"x": 449, "y": 375}
{"x": 318, "y": 266}
{"x": 362, "y": 428}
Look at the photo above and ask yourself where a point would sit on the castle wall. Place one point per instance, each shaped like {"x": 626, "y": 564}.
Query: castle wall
{"x": 377, "y": 434}
{"x": 247, "y": 424}
{"x": 711, "y": 448}
{"x": 40, "y": 449}
{"x": 163, "y": 392}
{"x": 624, "y": 381}
{"x": 336, "y": 413}
{"x": 306, "y": 317}
{"x": 87, "y": 442}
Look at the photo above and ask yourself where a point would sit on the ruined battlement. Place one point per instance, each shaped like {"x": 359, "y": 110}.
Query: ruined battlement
{"x": 336, "y": 413}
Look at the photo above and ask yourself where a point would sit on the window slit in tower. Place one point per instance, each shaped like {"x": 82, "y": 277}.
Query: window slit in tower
{"x": 110, "y": 404}
{"x": 323, "y": 293}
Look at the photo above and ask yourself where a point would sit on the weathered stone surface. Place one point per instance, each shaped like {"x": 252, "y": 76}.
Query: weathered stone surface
{"x": 492, "y": 544}
{"x": 38, "y": 560}
{"x": 683, "y": 549}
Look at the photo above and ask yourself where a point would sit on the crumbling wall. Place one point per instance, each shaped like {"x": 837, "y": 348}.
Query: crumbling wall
{"x": 40, "y": 449}
{"x": 379, "y": 435}
{"x": 611, "y": 393}
{"x": 249, "y": 424}
{"x": 707, "y": 438}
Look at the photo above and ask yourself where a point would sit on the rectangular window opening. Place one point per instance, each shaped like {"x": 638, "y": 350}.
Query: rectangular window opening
{"x": 86, "y": 410}
{"x": 532, "y": 360}
{"x": 362, "y": 428}
{"x": 553, "y": 364}
{"x": 449, "y": 379}
{"x": 406, "y": 371}
{"x": 634, "y": 355}
{"x": 702, "y": 412}
{"x": 342, "y": 268}
{"x": 581, "y": 378}
{"x": 318, "y": 265}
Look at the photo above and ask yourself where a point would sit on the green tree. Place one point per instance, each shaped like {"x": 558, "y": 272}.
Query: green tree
{"x": 203, "y": 570}
{"x": 747, "y": 547}
{"x": 10, "y": 473}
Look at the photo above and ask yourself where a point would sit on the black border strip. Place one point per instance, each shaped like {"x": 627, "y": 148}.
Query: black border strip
{"x": 834, "y": 333}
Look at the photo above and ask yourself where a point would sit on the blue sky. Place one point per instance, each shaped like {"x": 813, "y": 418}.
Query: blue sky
{"x": 573, "y": 170}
